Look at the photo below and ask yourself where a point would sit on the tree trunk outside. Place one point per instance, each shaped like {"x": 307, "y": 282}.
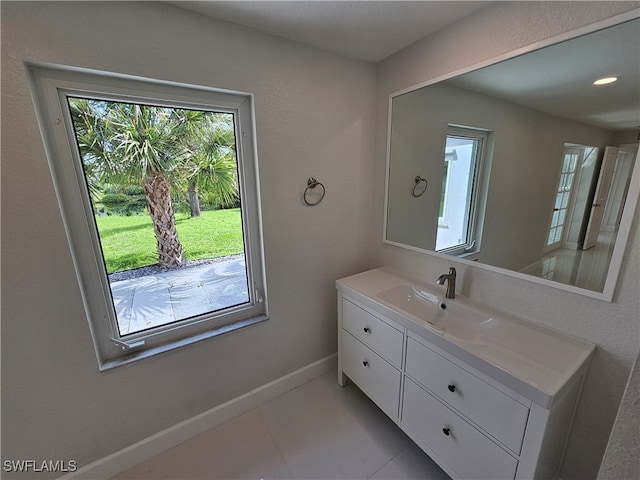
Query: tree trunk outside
{"x": 194, "y": 201}
{"x": 158, "y": 196}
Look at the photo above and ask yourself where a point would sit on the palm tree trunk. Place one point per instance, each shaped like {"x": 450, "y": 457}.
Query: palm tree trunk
{"x": 194, "y": 201}
{"x": 158, "y": 196}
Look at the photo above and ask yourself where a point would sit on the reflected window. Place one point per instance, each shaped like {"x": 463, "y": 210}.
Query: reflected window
{"x": 458, "y": 223}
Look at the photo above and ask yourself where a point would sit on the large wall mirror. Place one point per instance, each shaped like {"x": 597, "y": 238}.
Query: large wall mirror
{"x": 524, "y": 166}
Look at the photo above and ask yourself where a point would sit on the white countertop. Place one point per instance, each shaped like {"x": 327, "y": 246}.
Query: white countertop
{"x": 533, "y": 360}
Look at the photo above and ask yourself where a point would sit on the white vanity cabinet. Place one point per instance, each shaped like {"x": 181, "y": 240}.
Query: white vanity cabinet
{"x": 452, "y": 440}
{"x": 372, "y": 356}
{"x": 502, "y": 414}
{"x": 476, "y": 419}
{"x": 472, "y": 426}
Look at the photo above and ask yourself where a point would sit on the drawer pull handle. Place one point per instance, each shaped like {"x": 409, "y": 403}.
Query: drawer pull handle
{"x": 365, "y": 363}
{"x": 446, "y": 431}
{"x": 367, "y": 330}
{"x": 452, "y": 388}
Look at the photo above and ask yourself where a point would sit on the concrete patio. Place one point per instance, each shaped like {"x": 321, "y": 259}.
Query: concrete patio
{"x": 154, "y": 300}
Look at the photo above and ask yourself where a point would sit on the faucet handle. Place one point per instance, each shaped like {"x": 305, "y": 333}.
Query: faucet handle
{"x": 452, "y": 271}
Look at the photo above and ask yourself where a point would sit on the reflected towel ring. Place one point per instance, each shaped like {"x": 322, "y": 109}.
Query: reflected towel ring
{"x": 418, "y": 181}
{"x": 312, "y": 183}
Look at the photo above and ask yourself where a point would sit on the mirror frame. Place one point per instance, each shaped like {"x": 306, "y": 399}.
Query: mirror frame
{"x": 633, "y": 194}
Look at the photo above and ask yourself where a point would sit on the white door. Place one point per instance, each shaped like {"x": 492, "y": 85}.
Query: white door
{"x": 618, "y": 192}
{"x": 570, "y": 162}
{"x": 600, "y": 197}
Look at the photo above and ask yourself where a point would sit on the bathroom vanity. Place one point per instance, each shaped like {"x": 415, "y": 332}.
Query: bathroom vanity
{"x": 484, "y": 394}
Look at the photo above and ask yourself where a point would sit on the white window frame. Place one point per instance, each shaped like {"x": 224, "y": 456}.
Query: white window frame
{"x": 478, "y": 191}
{"x": 51, "y": 84}
{"x": 448, "y": 157}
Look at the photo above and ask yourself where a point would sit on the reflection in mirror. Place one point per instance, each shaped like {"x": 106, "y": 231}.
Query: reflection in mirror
{"x": 527, "y": 164}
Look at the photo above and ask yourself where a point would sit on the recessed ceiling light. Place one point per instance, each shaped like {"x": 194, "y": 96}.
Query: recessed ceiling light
{"x": 606, "y": 80}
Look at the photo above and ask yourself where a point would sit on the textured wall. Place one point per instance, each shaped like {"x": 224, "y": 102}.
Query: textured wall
{"x": 315, "y": 117}
{"x": 614, "y": 327}
{"x": 622, "y": 459}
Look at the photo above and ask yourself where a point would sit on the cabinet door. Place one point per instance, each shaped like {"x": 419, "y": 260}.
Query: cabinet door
{"x": 492, "y": 410}
{"x": 457, "y": 443}
{"x": 381, "y": 336}
{"x": 374, "y": 375}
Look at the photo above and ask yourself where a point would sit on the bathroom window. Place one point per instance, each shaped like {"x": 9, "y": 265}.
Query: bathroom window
{"x": 157, "y": 185}
{"x": 459, "y": 222}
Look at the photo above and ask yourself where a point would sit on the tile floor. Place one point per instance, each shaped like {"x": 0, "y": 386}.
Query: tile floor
{"x": 317, "y": 431}
{"x": 582, "y": 268}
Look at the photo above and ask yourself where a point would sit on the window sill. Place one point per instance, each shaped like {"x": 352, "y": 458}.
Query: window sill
{"x": 466, "y": 255}
{"x": 172, "y": 345}
{"x": 458, "y": 253}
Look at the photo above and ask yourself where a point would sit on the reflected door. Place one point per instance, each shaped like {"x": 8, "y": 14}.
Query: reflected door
{"x": 600, "y": 197}
{"x": 563, "y": 194}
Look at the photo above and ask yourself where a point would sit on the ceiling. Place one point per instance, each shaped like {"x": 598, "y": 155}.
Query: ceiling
{"x": 559, "y": 79}
{"x": 556, "y": 79}
{"x": 363, "y": 30}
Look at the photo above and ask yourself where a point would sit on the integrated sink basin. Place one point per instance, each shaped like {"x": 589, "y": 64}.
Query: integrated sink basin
{"x": 443, "y": 315}
{"x": 529, "y": 358}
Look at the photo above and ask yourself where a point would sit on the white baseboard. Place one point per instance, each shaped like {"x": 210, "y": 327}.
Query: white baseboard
{"x": 132, "y": 455}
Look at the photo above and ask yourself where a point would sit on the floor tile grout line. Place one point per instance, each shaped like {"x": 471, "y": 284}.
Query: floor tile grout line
{"x": 402, "y": 450}
{"x": 363, "y": 430}
{"x": 356, "y": 425}
{"x": 273, "y": 439}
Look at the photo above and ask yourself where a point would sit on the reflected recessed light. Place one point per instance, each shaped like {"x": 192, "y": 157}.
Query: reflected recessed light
{"x": 606, "y": 80}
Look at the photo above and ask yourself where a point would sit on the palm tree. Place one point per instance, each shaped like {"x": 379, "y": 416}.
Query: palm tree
{"x": 137, "y": 144}
{"x": 212, "y": 166}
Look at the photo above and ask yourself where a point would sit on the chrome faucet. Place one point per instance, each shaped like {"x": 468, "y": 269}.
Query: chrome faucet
{"x": 450, "y": 278}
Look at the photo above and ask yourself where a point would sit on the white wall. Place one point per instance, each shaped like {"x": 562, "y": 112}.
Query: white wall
{"x": 621, "y": 460}
{"x": 315, "y": 117}
{"x": 614, "y": 327}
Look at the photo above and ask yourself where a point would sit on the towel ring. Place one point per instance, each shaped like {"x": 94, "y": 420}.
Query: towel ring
{"x": 418, "y": 181}
{"x": 312, "y": 183}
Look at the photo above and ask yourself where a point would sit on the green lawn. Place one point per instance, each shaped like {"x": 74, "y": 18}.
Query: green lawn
{"x": 128, "y": 242}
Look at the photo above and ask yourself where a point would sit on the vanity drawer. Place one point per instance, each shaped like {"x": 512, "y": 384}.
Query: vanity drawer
{"x": 374, "y": 375}
{"x": 383, "y": 338}
{"x": 457, "y": 443}
{"x": 492, "y": 410}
